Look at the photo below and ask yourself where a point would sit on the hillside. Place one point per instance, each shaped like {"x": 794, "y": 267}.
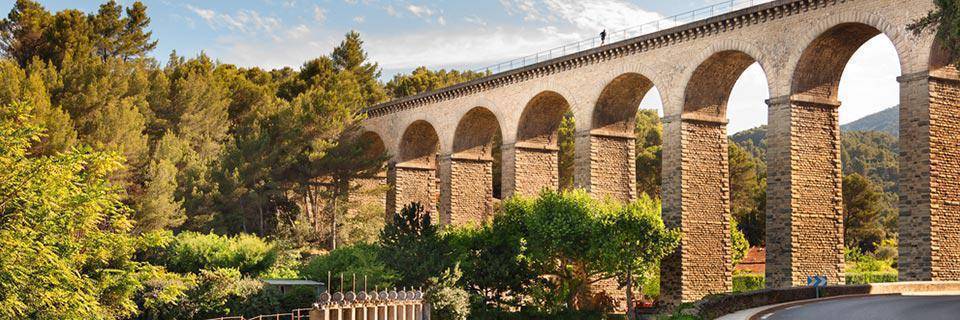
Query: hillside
{"x": 887, "y": 121}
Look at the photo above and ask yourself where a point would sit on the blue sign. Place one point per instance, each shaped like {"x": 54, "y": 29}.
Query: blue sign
{"x": 817, "y": 281}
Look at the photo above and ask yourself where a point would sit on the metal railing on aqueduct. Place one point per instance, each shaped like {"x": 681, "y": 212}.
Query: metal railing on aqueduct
{"x": 620, "y": 35}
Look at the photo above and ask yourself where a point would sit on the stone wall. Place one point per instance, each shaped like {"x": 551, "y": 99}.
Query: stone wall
{"x": 612, "y": 167}
{"x": 805, "y": 202}
{"x": 470, "y": 189}
{"x": 411, "y": 184}
{"x": 529, "y": 169}
{"x": 704, "y": 265}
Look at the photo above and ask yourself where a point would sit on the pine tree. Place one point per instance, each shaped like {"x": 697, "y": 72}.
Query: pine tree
{"x": 350, "y": 56}
{"x": 21, "y": 33}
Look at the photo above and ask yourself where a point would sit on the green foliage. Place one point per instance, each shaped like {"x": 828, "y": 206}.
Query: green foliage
{"x": 566, "y": 137}
{"x": 649, "y": 133}
{"x": 871, "y": 277}
{"x": 743, "y": 282}
{"x": 361, "y": 260}
{"x": 738, "y": 244}
{"x": 190, "y": 252}
{"x": 863, "y": 228}
{"x": 422, "y": 80}
{"x": 31, "y": 31}
{"x": 568, "y": 241}
{"x": 946, "y": 19}
{"x": 747, "y": 194}
{"x": 412, "y": 246}
{"x": 447, "y": 300}
{"x": 493, "y": 258}
{"x": 63, "y": 229}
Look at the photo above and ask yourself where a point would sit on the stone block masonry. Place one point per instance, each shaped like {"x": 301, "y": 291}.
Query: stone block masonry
{"x": 411, "y": 184}
{"x": 703, "y": 263}
{"x": 801, "y": 46}
{"x": 466, "y": 190}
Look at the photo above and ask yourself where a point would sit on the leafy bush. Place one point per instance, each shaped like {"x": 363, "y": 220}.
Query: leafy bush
{"x": 447, "y": 300}
{"x": 191, "y": 252}
{"x": 871, "y": 277}
{"x": 492, "y": 257}
{"x": 412, "y": 246}
{"x": 359, "y": 259}
{"x": 748, "y": 281}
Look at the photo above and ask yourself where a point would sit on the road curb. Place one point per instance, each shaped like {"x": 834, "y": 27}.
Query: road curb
{"x": 761, "y": 313}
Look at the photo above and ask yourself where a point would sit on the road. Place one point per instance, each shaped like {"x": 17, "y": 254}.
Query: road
{"x": 875, "y": 308}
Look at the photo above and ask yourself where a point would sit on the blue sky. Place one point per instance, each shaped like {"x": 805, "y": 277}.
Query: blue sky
{"x": 401, "y": 35}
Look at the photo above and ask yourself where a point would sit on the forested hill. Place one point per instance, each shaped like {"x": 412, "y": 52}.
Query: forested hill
{"x": 869, "y": 148}
{"x": 887, "y": 121}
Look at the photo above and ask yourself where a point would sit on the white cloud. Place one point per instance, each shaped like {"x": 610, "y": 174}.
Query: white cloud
{"x": 391, "y": 11}
{"x": 319, "y": 14}
{"x": 475, "y": 20}
{"x": 420, "y": 11}
{"x": 359, "y": 19}
{"x": 245, "y": 21}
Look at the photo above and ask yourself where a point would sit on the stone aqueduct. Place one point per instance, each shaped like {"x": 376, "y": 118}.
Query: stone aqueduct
{"x": 441, "y": 142}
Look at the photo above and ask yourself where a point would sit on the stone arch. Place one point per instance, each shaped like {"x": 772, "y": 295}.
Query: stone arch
{"x": 818, "y": 71}
{"x": 467, "y": 174}
{"x": 419, "y": 145}
{"x": 372, "y": 143}
{"x": 532, "y": 162}
{"x": 413, "y": 175}
{"x": 708, "y": 89}
{"x": 616, "y": 108}
{"x": 903, "y": 41}
{"x": 475, "y": 133}
{"x": 541, "y": 118}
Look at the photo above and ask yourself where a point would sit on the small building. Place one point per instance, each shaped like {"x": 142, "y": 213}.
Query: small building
{"x": 755, "y": 261}
{"x": 285, "y": 285}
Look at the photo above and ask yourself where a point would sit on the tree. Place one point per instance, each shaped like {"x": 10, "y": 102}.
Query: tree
{"x": 412, "y": 246}
{"x": 636, "y": 241}
{"x": 421, "y": 80}
{"x": 861, "y": 212}
{"x": 350, "y": 56}
{"x": 446, "y": 299}
{"x": 946, "y": 19}
{"x": 494, "y": 260}
{"x": 649, "y": 133}
{"x": 62, "y": 226}
{"x": 567, "y": 155}
{"x": 747, "y": 193}
{"x": 21, "y": 33}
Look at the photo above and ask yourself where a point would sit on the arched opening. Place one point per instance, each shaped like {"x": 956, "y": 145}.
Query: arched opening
{"x": 468, "y": 193}
{"x": 413, "y": 177}
{"x": 707, "y": 168}
{"x": 843, "y": 172}
{"x": 372, "y": 145}
{"x": 540, "y": 158}
{"x": 419, "y": 146}
{"x": 624, "y": 142}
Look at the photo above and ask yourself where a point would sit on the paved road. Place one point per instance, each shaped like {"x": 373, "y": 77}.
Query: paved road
{"x": 876, "y": 308}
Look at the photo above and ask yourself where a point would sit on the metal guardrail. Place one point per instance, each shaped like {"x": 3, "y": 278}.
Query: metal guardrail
{"x": 296, "y": 314}
{"x": 620, "y": 35}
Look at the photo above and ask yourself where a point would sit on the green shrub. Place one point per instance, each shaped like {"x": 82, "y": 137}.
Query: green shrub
{"x": 447, "y": 300}
{"x": 191, "y": 252}
{"x": 359, "y": 259}
{"x": 871, "y": 277}
{"x": 746, "y": 281}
